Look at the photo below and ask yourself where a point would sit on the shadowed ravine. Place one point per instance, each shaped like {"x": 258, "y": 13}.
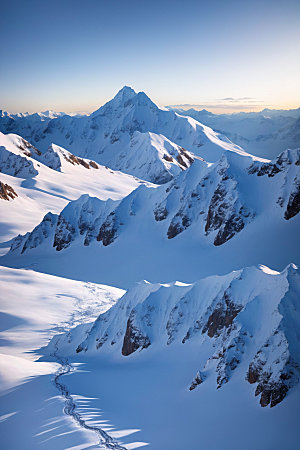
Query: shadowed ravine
{"x": 105, "y": 441}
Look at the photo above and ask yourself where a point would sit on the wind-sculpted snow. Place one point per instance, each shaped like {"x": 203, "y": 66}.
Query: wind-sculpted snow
{"x": 248, "y": 318}
{"x": 129, "y": 133}
{"x": 215, "y": 201}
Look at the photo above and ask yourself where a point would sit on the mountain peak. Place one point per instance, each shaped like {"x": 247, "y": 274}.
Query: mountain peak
{"x": 126, "y": 91}
{"x": 121, "y": 99}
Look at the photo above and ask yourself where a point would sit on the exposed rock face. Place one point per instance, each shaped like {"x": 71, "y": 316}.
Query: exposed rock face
{"x": 7, "y": 192}
{"x": 293, "y": 206}
{"x": 64, "y": 234}
{"x": 133, "y": 339}
{"x": 27, "y": 149}
{"x": 280, "y": 164}
{"x": 222, "y": 317}
{"x": 271, "y": 388}
{"x": 79, "y": 219}
{"x": 108, "y": 231}
{"x": 55, "y": 158}
{"x": 180, "y": 222}
{"x": 226, "y": 213}
{"x": 287, "y": 166}
{"x": 16, "y": 165}
{"x": 196, "y": 381}
{"x": 160, "y": 213}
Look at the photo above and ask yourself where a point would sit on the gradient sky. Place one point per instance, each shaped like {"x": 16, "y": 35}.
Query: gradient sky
{"x": 72, "y": 55}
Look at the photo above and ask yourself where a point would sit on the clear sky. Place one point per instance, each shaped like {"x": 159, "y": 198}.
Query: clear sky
{"x": 72, "y": 55}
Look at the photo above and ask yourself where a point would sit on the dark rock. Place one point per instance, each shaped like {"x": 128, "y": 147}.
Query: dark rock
{"x": 160, "y": 213}
{"x": 7, "y": 192}
{"x": 293, "y": 206}
{"x": 94, "y": 165}
{"x": 196, "y": 381}
{"x": 168, "y": 158}
{"x": 64, "y": 234}
{"x": 108, "y": 231}
{"x": 133, "y": 339}
{"x": 222, "y": 317}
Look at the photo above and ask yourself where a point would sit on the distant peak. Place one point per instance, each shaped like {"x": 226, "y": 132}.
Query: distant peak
{"x": 127, "y": 89}
{"x": 124, "y": 94}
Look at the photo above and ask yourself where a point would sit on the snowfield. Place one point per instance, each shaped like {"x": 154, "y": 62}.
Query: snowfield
{"x": 35, "y": 307}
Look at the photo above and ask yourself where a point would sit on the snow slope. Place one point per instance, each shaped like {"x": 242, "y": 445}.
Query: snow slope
{"x": 238, "y": 206}
{"x": 111, "y": 136}
{"x": 265, "y": 133}
{"x": 35, "y": 307}
{"x": 47, "y": 182}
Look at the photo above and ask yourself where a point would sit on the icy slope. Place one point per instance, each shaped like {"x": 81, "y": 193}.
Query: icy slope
{"x": 108, "y": 135}
{"x": 33, "y": 308}
{"x": 47, "y": 182}
{"x": 233, "y": 318}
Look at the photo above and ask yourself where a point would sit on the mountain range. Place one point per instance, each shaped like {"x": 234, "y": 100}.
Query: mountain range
{"x": 206, "y": 348}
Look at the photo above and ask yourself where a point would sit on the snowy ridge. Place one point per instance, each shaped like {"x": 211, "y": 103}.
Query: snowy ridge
{"x": 233, "y": 318}
{"x": 78, "y": 218}
{"x": 40, "y": 183}
{"x": 109, "y": 136}
{"x": 215, "y": 201}
{"x": 16, "y": 156}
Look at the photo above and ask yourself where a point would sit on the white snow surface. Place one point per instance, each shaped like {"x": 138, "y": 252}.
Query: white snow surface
{"x": 35, "y": 307}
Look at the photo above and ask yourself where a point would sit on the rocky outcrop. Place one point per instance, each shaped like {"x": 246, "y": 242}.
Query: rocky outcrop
{"x": 272, "y": 387}
{"x": 7, "y": 192}
{"x": 196, "y": 381}
{"x": 280, "y": 164}
{"x": 222, "y": 316}
{"x": 16, "y": 165}
{"x": 55, "y": 157}
{"x": 226, "y": 214}
{"x": 134, "y": 338}
{"x": 80, "y": 219}
{"x": 180, "y": 222}
{"x": 293, "y": 205}
{"x": 108, "y": 230}
{"x": 64, "y": 233}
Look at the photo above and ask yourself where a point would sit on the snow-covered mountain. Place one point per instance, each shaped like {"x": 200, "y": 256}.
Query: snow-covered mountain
{"x": 173, "y": 362}
{"x": 214, "y": 198}
{"x": 265, "y": 133}
{"x": 35, "y": 183}
{"x": 129, "y": 133}
{"x": 239, "y": 203}
{"x": 233, "y": 318}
